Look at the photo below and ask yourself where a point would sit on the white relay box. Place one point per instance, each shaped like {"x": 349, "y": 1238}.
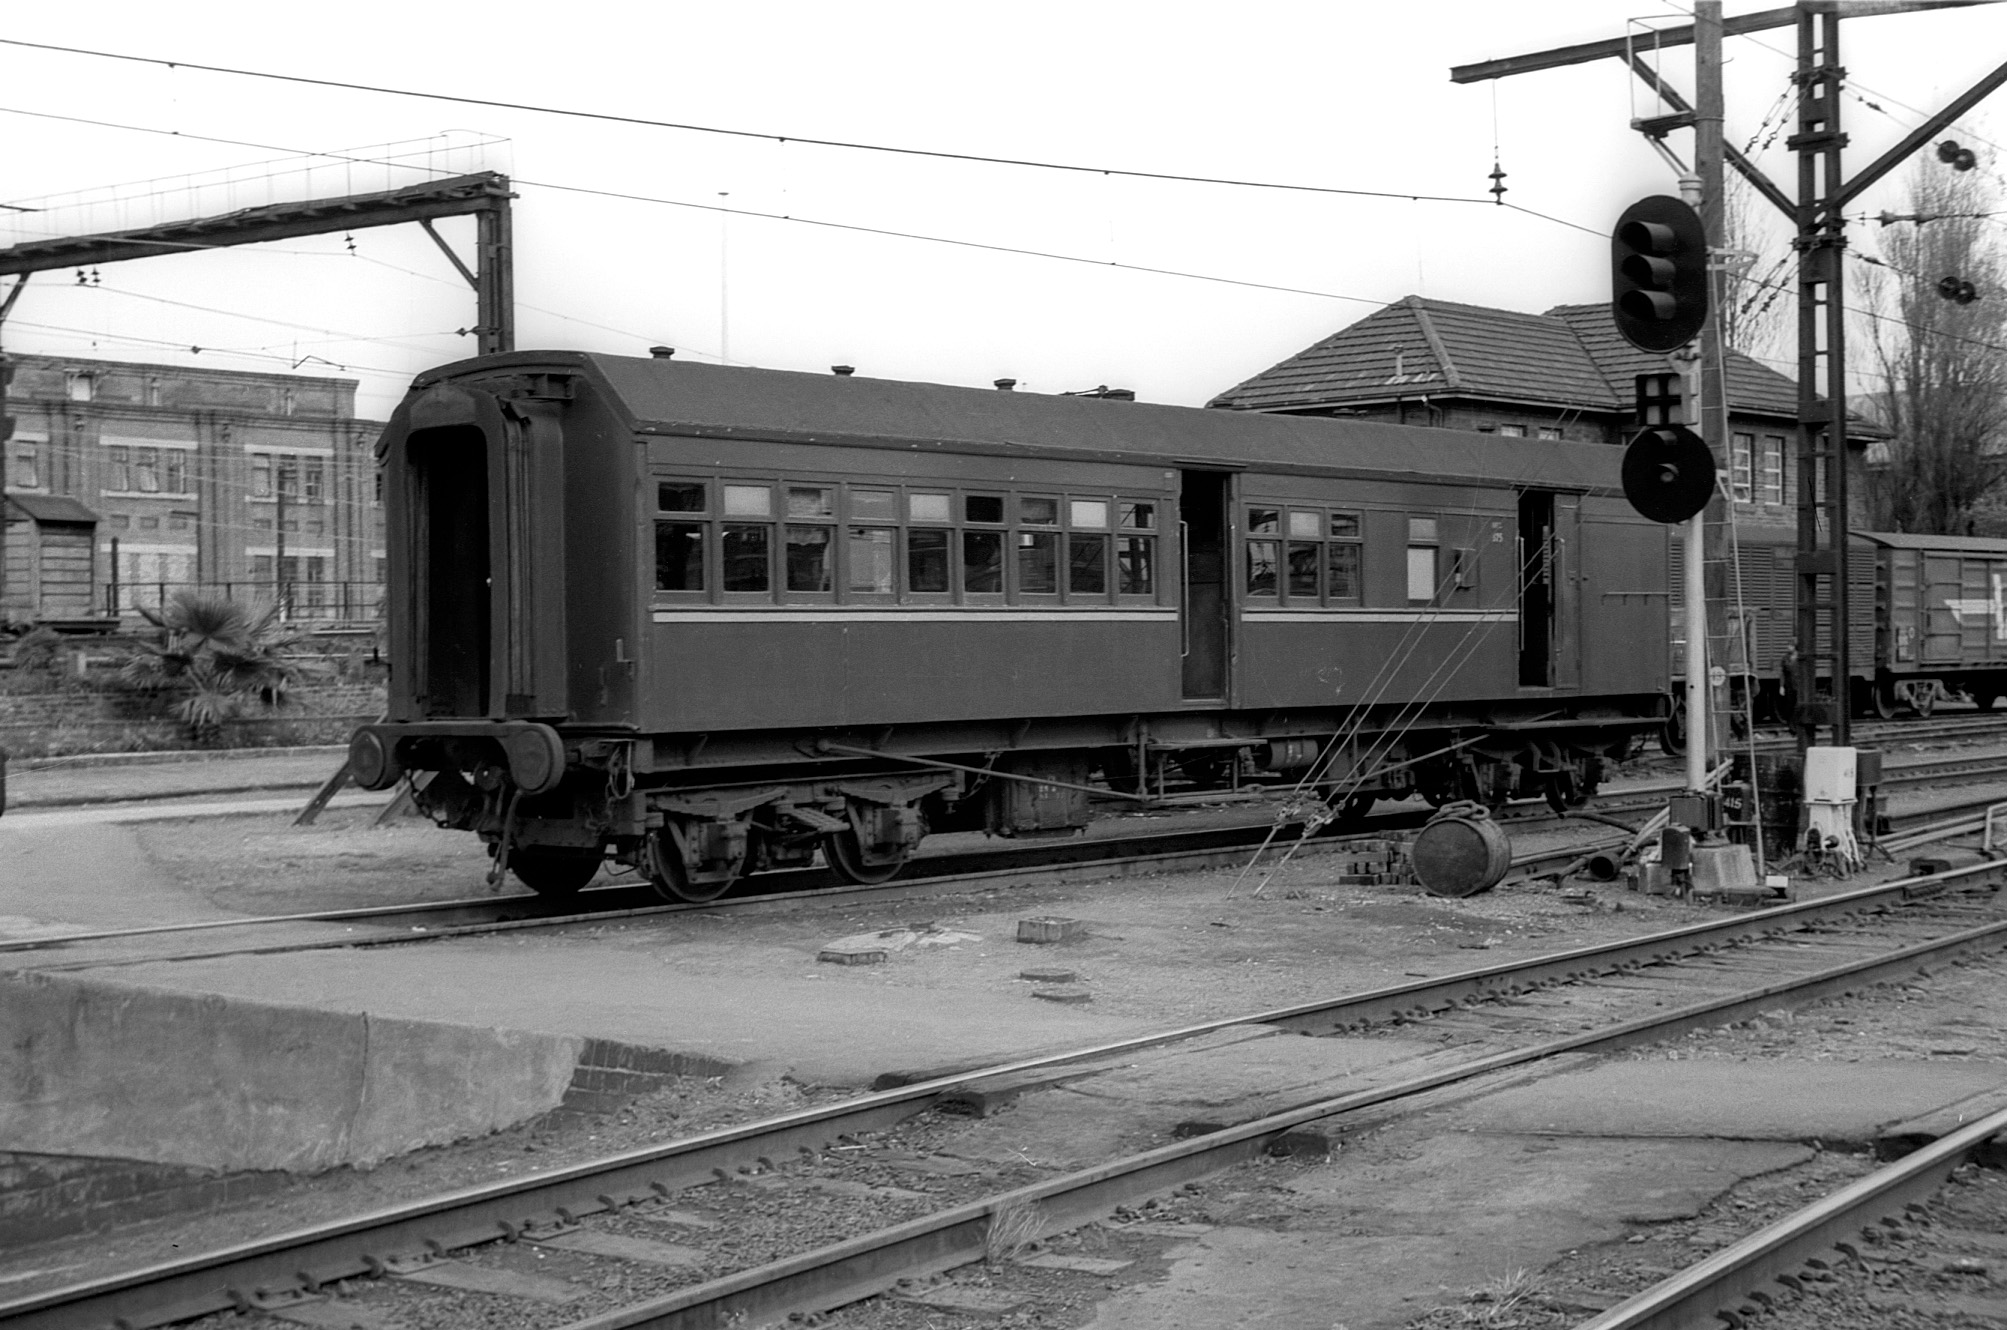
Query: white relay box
{"x": 1829, "y": 775}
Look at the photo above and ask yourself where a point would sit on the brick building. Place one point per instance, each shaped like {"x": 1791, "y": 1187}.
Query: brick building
{"x": 260, "y": 485}
{"x": 1565, "y": 374}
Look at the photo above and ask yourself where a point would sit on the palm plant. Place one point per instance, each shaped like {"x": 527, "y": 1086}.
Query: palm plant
{"x": 221, "y": 654}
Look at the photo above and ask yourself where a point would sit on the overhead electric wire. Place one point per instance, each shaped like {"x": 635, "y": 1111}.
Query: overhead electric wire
{"x": 647, "y": 122}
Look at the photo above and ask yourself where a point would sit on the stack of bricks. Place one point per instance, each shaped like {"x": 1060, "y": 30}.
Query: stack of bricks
{"x": 1372, "y": 863}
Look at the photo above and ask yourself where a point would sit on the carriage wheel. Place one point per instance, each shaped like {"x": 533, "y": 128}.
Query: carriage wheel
{"x": 554, "y": 871}
{"x": 1672, "y": 734}
{"x": 1885, "y": 700}
{"x": 663, "y": 862}
{"x": 1984, "y": 698}
{"x": 1355, "y": 806}
{"x": 846, "y": 860}
{"x": 1562, "y": 792}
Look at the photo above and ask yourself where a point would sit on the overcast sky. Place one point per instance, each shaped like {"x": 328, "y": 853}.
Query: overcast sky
{"x": 1333, "y": 95}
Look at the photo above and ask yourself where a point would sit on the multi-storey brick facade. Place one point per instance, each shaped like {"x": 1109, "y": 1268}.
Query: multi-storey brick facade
{"x": 259, "y": 484}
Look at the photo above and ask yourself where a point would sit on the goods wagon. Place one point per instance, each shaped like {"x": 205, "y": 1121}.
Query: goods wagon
{"x": 707, "y": 620}
{"x": 1928, "y": 620}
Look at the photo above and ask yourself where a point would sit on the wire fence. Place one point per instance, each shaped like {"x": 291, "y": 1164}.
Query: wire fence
{"x": 328, "y": 602}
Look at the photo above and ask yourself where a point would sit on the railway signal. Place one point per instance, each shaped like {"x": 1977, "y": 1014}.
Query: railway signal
{"x": 1668, "y": 473}
{"x": 1955, "y": 157}
{"x": 1957, "y": 289}
{"x": 1658, "y": 273}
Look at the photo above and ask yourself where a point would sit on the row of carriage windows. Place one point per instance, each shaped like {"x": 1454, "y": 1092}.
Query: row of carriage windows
{"x": 759, "y": 538}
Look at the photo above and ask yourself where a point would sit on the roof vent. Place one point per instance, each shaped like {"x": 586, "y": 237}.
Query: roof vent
{"x": 1005, "y": 385}
{"x": 843, "y": 371}
{"x": 662, "y": 352}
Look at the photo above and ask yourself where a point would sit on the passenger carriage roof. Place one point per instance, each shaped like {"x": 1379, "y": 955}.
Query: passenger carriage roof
{"x": 667, "y": 396}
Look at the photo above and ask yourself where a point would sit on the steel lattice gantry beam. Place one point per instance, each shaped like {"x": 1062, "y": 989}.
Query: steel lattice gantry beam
{"x": 485, "y": 194}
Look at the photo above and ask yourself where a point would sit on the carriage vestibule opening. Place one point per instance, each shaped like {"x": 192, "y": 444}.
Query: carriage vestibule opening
{"x": 1203, "y": 603}
{"x": 449, "y": 513}
{"x": 1536, "y": 589}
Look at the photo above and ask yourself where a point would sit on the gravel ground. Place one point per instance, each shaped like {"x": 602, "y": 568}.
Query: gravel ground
{"x": 1170, "y": 949}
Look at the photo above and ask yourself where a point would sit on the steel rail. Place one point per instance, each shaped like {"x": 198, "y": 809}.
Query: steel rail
{"x": 213, "y": 1281}
{"x": 849, "y": 1271}
{"x": 1694, "y": 1297}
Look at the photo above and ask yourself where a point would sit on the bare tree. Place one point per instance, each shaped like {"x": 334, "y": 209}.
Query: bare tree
{"x": 1758, "y": 292}
{"x": 1938, "y": 372}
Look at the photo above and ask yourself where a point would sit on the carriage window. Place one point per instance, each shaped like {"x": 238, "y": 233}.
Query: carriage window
{"x": 807, "y": 558}
{"x": 1135, "y": 565}
{"x": 810, "y": 501}
{"x": 1423, "y": 577}
{"x": 982, "y": 508}
{"x": 982, "y": 559}
{"x": 1090, "y": 513}
{"x": 749, "y": 501}
{"x": 679, "y": 556}
{"x": 1038, "y": 512}
{"x": 1038, "y": 562}
{"x": 1304, "y": 561}
{"x": 927, "y": 559}
{"x": 1341, "y": 559}
{"x": 1086, "y": 564}
{"x": 871, "y": 559}
{"x": 929, "y": 508}
{"x": 874, "y": 505}
{"x": 1261, "y": 569}
{"x": 681, "y": 498}
{"x": 744, "y": 552}
{"x": 1139, "y": 516}
{"x": 1263, "y": 555}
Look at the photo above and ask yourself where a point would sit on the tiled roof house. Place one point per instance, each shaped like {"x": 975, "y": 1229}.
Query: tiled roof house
{"x": 1565, "y": 374}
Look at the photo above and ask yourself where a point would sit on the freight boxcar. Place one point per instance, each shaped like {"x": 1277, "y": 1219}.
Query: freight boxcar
{"x": 1928, "y": 621}
{"x": 706, "y": 620}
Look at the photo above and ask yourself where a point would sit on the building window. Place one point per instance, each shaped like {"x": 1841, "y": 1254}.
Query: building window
{"x": 1512, "y": 431}
{"x": 1741, "y": 448}
{"x": 377, "y": 496}
{"x": 286, "y": 467}
{"x": 176, "y": 465}
{"x": 180, "y": 521}
{"x": 27, "y": 466}
{"x": 119, "y": 521}
{"x": 316, "y": 479}
{"x": 77, "y": 385}
{"x": 261, "y": 475}
{"x": 1548, "y": 432}
{"x": 1773, "y": 468}
{"x": 146, "y": 469}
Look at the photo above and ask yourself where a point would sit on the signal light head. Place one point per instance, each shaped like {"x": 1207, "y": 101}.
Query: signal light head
{"x": 1658, "y": 273}
{"x": 1956, "y": 157}
{"x": 1668, "y": 473}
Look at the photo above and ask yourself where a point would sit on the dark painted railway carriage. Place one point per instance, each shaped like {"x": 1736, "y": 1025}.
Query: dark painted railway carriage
{"x": 710, "y": 620}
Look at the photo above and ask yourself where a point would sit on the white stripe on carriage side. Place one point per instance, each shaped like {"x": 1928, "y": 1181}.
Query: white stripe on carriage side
{"x": 846, "y": 615}
{"x": 1380, "y": 616}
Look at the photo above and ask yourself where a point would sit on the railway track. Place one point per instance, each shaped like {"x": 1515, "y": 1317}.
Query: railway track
{"x": 1494, "y": 1019}
{"x": 1793, "y": 1256}
{"x": 987, "y": 869}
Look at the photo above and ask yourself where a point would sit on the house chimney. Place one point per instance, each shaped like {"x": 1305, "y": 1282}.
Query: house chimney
{"x": 1005, "y": 385}
{"x": 662, "y": 352}
{"x": 843, "y": 371}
